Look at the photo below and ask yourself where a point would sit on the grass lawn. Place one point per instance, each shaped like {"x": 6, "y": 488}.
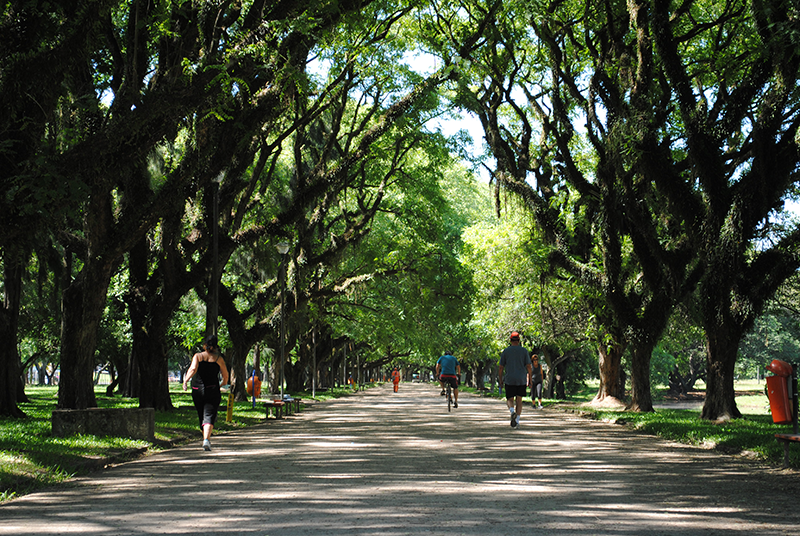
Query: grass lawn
{"x": 752, "y": 435}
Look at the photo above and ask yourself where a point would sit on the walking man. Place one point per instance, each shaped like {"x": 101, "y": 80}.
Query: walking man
{"x": 515, "y": 372}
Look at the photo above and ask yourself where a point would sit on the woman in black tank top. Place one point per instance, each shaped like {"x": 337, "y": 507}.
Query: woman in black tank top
{"x": 204, "y": 372}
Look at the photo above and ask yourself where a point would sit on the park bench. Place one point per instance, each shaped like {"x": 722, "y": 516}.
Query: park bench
{"x": 786, "y": 439}
{"x": 287, "y": 406}
{"x": 275, "y": 406}
{"x": 294, "y": 404}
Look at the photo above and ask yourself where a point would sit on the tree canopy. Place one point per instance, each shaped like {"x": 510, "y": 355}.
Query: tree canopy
{"x": 154, "y": 154}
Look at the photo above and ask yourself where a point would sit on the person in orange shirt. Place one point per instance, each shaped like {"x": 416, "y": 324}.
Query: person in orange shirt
{"x": 396, "y": 378}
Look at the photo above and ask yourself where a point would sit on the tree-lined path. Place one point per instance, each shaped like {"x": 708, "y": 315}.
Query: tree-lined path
{"x": 380, "y": 463}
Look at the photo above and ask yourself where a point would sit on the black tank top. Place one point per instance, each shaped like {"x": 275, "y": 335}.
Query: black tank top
{"x": 537, "y": 374}
{"x": 208, "y": 373}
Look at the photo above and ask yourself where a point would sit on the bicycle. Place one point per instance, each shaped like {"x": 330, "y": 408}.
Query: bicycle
{"x": 448, "y": 393}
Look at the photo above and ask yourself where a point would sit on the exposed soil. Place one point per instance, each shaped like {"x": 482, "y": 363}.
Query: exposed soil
{"x": 699, "y": 396}
{"x": 380, "y": 463}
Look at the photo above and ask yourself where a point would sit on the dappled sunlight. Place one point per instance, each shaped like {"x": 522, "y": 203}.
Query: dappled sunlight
{"x": 391, "y": 464}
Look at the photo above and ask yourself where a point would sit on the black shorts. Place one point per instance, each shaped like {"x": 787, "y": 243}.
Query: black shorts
{"x": 206, "y": 402}
{"x": 452, "y": 380}
{"x": 516, "y": 390}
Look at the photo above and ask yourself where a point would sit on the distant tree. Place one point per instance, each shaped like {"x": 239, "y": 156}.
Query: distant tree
{"x": 683, "y": 342}
{"x": 774, "y": 335}
{"x": 516, "y": 290}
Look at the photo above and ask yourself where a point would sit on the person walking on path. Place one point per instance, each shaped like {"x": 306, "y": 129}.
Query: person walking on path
{"x": 537, "y": 379}
{"x": 205, "y": 369}
{"x": 515, "y": 371}
{"x": 396, "y": 379}
{"x": 448, "y": 369}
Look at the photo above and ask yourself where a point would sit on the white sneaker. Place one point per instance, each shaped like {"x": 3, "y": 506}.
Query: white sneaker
{"x": 206, "y": 444}
{"x": 540, "y": 406}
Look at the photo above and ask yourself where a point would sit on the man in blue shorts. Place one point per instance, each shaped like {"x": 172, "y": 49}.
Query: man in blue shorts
{"x": 515, "y": 370}
{"x": 448, "y": 370}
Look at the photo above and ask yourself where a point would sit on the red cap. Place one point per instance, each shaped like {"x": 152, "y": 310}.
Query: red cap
{"x": 514, "y": 336}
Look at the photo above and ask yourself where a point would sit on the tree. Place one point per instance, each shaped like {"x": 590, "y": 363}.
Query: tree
{"x": 576, "y": 110}
{"x": 736, "y": 103}
{"x": 525, "y": 84}
{"x": 174, "y": 79}
{"x": 41, "y": 48}
{"x": 683, "y": 342}
{"x": 10, "y": 366}
{"x": 516, "y": 290}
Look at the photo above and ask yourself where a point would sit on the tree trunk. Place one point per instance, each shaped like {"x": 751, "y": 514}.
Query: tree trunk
{"x": 154, "y": 375}
{"x": 641, "y": 397}
{"x": 560, "y": 379}
{"x": 10, "y": 363}
{"x": 83, "y": 303}
{"x": 294, "y": 375}
{"x": 257, "y": 361}
{"x": 480, "y": 374}
{"x": 612, "y": 388}
{"x": 549, "y": 387}
{"x": 236, "y": 360}
{"x": 274, "y": 371}
{"x": 722, "y": 344}
{"x": 130, "y": 387}
{"x": 152, "y": 301}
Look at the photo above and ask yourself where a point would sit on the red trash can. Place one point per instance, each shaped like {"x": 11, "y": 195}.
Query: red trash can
{"x": 780, "y": 368}
{"x": 778, "y": 393}
{"x": 250, "y": 383}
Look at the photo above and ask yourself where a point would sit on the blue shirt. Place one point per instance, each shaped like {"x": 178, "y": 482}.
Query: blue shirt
{"x": 449, "y": 364}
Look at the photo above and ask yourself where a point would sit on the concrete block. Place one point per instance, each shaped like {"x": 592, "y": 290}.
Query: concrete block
{"x": 136, "y": 423}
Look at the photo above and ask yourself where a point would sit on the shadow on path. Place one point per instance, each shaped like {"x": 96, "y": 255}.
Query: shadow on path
{"x": 384, "y": 463}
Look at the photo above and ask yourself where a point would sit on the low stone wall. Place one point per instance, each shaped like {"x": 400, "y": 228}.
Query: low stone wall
{"x": 136, "y": 423}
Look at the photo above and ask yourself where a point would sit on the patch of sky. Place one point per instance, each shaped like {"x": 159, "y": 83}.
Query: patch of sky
{"x": 463, "y": 128}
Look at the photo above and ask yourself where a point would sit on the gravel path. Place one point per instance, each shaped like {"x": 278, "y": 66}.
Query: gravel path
{"x": 380, "y": 463}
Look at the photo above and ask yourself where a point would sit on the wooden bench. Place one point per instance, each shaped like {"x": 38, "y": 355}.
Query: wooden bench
{"x": 277, "y": 405}
{"x": 786, "y": 439}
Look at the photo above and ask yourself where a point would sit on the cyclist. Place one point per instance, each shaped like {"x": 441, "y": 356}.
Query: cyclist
{"x": 448, "y": 370}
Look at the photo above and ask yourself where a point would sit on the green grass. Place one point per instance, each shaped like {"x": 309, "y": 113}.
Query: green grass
{"x": 752, "y": 435}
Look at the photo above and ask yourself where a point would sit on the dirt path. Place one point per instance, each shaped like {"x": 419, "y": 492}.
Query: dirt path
{"x": 380, "y": 463}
